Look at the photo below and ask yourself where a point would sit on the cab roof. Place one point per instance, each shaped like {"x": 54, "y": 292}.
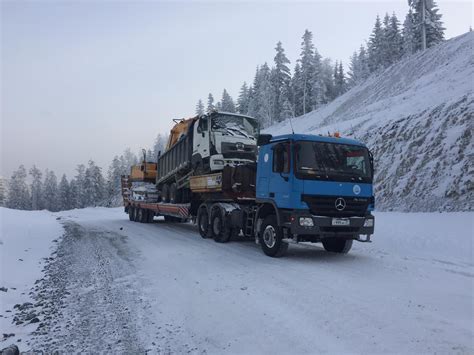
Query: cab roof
{"x": 315, "y": 138}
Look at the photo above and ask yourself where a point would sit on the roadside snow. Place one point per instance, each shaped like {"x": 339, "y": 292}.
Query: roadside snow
{"x": 122, "y": 286}
{"x": 26, "y": 238}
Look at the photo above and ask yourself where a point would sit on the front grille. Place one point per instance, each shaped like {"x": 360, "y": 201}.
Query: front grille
{"x": 339, "y": 229}
{"x": 239, "y": 151}
{"x": 326, "y": 205}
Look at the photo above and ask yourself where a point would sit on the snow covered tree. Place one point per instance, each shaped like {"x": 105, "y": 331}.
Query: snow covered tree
{"x": 94, "y": 185}
{"x": 297, "y": 90}
{"x": 50, "y": 195}
{"x": 36, "y": 189}
{"x": 243, "y": 99}
{"x": 339, "y": 79}
{"x": 74, "y": 201}
{"x": 80, "y": 186}
{"x": 3, "y": 192}
{"x": 394, "y": 41}
{"x": 159, "y": 146}
{"x": 227, "y": 103}
{"x": 376, "y": 47}
{"x": 18, "y": 193}
{"x": 327, "y": 79}
{"x": 409, "y": 34}
{"x": 307, "y": 68}
{"x": 210, "y": 103}
{"x": 281, "y": 78}
{"x": 199, "y": 108}
{"x": 114, "y": 176}
{"x": 64, "y": 195}
{"x": 432, "y": 25}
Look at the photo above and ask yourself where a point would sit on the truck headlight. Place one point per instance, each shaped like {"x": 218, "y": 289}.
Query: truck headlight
{"x": 218, "y": 162}
{"x": 306, "y": 222}
{"x": 369, "y": 222}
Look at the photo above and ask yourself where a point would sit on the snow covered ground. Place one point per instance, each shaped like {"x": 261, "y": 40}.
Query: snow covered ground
{"x": 117, "y": 286}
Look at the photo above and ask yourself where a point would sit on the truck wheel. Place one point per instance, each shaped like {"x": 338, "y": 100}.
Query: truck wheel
{"x": 271, "y": 238}
{"x": 150, "y": 216}
{"x": 203, "y": 222}
{"x": 135, "y": 214}
{"x": 130, "y": 213}
{"x": 175, "y": 194}
{"x": 140, "y": 215}
{"x": 335, "y": 245}
{"x": 165, "y": 193}
{"x": 220, "y": 232}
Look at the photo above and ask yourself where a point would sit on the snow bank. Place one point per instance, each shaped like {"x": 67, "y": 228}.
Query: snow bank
{"x": 417, "y": 118}
{"x": 26, "y": 238}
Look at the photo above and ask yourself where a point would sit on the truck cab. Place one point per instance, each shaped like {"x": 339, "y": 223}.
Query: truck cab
{"x": 222, "y": 139}
{"x": 316, "y": 189}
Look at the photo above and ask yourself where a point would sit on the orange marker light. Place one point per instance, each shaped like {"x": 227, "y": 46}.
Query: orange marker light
{"x": 337, "y": 135}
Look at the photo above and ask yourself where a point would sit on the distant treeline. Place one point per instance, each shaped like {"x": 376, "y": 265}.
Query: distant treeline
{"x": 34, "y": 190}
{"x": 276, "y": 94}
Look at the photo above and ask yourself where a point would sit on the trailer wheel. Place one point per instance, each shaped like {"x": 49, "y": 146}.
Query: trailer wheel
{"x": 135, "y": 214}
{"x": 220, "y": 231}
{"x": 165, "y": 193}
{"x": 140, "y": 215}
{"x": 130, "y": 213}
{"x": 271, "y": 238}
{"x": 150, "y": 216}
{"x": 335, "y": 245}
{"x": 203, "y": 222}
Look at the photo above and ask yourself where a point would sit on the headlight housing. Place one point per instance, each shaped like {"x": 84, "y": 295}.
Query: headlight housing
{"x": 369, "y": 222}
{"x": 306, "y": 222}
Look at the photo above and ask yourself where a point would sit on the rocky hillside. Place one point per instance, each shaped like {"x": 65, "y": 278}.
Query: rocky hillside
{"x": 417, "y": 118}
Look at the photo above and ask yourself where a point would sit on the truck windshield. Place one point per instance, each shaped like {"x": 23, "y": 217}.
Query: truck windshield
{"x": 235, "y": 125}
{"x": 332, "y": 161}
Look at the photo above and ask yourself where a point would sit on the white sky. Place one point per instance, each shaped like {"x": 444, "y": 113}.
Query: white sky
{"x": 85, "y": 79}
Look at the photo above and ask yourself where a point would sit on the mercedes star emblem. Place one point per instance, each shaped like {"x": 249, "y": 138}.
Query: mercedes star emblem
{"x": 340, "y": 204}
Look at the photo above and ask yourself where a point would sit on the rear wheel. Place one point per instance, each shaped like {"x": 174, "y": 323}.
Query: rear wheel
{"x": 130, "y": 213}
{"x": 135, "y": 214}
{"x": 220, "y": 232}
{"x": 165, "y": 193}
{"x": 141, "y": 215}
{"x": 271, "y": 238}
{"x": 150, "y": 216}
{"x": 335, "y": 245}
{"x": 203, "y": 222}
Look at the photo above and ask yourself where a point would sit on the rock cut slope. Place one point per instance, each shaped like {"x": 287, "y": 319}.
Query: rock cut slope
{"x": 417, "y": 118}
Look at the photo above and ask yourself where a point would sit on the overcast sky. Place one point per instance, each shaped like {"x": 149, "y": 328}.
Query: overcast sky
{"x": 85, "y": 79}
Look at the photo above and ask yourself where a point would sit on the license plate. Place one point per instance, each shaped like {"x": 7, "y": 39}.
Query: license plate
{"x": 341, "y": 222}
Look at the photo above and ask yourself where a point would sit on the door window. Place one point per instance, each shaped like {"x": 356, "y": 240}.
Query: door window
{"x": 281, "y": 158}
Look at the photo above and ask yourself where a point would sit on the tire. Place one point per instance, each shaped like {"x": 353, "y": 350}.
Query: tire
{"x": 203, "y": 222}
{"x": 150, "y": 216}
{"x": 165, "y": 193}
{"x": 219, "y": 230}
{"x": 141, "y": 215}
{"x": 130, "y": 213}
{"x": 135, "y": 214}
{"x": 271, "y": 238}
{"x": 334, "y": 245}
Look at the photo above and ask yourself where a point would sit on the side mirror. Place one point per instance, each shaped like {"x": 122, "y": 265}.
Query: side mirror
{"x": 264, "y": 139}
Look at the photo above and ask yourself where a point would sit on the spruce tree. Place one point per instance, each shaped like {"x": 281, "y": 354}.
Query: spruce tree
{"x": 74, "y": 201}
{"x": 281, "y": 82}
{"x": 210, "y": 103}
{"x": 327, "y": 79}
{"x": 394, "y": 40}
{"x": 307, "y": 68}
{"x": 80, "y": 186}
{"x": 94, "y": 185}
{"x": 433, "y": 25}
{"x": 297, "y": 90}
{"x": 243, "y": 99}
{"x": 51, "y": 201}
{"x": 363, "y": 63}
{"x": 36, "y": 189}
{"x": 158, "y": 146}
{"x": 3, "y": 192}
{"x": 18, "y": 193}
{"x": 409, "y": 34}
{"x": 199, "y": 108}
{"x": 227, "y": 103}
{"x": 354, "y": 70}
{"x": 64, "y": 194}
{"x": 376, "y": 47}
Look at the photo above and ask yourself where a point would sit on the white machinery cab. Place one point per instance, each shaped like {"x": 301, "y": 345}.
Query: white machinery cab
{"x": 221, "y": 139}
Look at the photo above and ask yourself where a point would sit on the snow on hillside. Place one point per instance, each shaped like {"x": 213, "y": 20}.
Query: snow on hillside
{"x": 417, "y": 118}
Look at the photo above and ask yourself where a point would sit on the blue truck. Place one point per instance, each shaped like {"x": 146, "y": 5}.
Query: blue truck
{"x": 298, "y": 188}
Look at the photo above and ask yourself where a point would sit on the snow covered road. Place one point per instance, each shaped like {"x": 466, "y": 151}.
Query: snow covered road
{"x": 122, "y": 286}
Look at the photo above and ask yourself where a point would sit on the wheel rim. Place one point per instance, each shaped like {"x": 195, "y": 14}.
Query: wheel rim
{"x": 216, "y": 226}
{"x": 269, "y": 236}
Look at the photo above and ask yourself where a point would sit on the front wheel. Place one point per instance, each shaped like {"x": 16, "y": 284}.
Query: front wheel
{"x": 220, "y": 231}
{"x": 271, "y": 238}
{"x": 335, "y": 245}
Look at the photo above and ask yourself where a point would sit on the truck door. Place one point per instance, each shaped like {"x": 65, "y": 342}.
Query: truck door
{"x": 279, "y": 187}
{"x": 201, "y": 141}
